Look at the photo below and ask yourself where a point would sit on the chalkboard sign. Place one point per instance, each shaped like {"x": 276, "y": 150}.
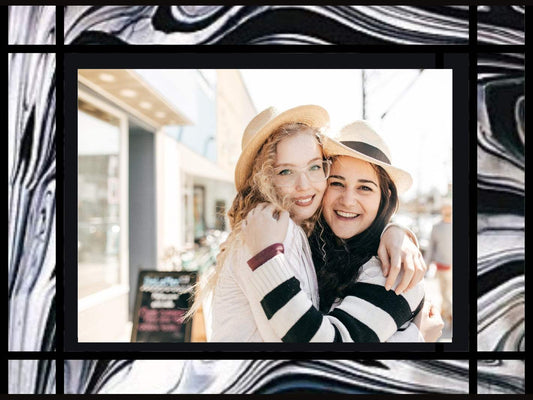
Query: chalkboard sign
{"x": 163, "y": 298}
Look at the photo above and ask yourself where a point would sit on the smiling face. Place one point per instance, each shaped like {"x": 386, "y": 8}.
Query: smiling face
{"x": 297, "y": 154}
{"x": 352, "y": 198}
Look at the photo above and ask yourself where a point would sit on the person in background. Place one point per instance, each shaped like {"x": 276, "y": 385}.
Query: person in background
{"x": 440, "y": 254}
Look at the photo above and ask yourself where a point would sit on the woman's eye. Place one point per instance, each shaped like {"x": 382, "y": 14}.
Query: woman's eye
{"x": 336, "y": 183}
{"x": 366, "y": 188}
{"x": 316, "y": 167}
{"x": 285, "y": 172}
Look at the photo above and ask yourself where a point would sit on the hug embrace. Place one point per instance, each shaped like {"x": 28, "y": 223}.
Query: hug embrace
{"x": 313, "y": 256}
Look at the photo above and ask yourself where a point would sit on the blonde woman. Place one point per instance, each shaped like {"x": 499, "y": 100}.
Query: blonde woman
{"x": 281, "y": 164}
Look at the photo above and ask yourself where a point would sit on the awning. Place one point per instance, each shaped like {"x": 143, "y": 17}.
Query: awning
{"x": 130, "y": 91}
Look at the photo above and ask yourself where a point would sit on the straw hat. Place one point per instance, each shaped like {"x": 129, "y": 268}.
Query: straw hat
{"x": 360, "y": 140}
{"x": 264, "y": 124}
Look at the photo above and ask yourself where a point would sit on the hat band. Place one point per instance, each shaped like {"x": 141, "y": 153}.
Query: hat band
{"x": 367, "y": 150}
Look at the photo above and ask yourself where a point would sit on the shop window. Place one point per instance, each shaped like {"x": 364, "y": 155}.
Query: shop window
{"x": 220, "y": 215}
{"x": 99, "y": 205}
{"x": 199, "y": 212}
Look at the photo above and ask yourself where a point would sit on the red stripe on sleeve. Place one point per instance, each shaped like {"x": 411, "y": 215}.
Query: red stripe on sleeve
{"x": 266, "y": 254}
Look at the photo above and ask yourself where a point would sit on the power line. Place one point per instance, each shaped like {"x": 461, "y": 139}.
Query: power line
{"x": 402, "y": 94}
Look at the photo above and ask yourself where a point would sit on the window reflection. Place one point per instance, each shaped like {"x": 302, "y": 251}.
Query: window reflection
{"x": 98, "y": 200}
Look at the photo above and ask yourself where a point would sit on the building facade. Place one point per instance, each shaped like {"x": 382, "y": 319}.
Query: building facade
{"x": 156, "y": 157}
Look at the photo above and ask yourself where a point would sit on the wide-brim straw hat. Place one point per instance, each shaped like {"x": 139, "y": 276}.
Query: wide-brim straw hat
{"x": 264, "y": 124}
{"x": 360, "y": 140}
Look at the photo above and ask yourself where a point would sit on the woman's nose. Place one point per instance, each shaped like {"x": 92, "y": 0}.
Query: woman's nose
{"x": 348, "y": 198}
{"x": 302, "y": 181}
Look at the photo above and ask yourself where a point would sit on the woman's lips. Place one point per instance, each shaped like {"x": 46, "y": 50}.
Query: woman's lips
{"x": 345, "y": 216}
{"x": 304, "y": 201}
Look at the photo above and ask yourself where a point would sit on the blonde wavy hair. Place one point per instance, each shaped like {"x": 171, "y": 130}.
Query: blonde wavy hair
{"x": 258, "y": 188}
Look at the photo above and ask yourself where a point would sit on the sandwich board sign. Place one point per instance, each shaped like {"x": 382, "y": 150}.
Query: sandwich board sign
{"x": 162, "y": 299}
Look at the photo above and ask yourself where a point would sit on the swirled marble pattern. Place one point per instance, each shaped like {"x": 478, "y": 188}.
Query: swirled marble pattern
{"x": 31, "y": 202}
{"x": 266, "y": 25}
{"x": 501, "y": 223}
{"x": 42, "y": 19}
{"x": 500, "y": 376}
{"x": 265, "y": 376}
{"x": 31, "y": 376}
{"x": 501, "y": 24}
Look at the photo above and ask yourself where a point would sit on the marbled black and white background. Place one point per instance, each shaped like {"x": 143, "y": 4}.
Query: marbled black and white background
{"x": 32, "y": 193}
{"x": 501, "y": 223}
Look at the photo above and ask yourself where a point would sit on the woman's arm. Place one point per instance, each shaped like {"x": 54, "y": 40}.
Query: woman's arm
{"x": 369, "y": 313}
{"x": 398, "y": 247}
{"x": 429, "y": 322}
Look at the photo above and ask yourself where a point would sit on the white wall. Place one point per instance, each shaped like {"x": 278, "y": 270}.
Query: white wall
{"x": 169, "y": 194}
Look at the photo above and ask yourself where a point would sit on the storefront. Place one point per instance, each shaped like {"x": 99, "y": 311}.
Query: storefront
{"x": 143, "y": 191}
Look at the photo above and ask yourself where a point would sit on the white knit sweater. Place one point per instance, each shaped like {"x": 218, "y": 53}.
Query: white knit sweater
{"x": 239, "y": 316}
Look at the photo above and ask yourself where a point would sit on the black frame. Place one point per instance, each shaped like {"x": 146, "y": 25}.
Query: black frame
{"x": 284, "y": 57}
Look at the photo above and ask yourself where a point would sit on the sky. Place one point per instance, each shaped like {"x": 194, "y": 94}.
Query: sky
{"x": 417, "y": 104}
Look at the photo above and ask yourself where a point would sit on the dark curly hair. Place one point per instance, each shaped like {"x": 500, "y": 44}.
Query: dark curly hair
{"x": 337, "y": 261}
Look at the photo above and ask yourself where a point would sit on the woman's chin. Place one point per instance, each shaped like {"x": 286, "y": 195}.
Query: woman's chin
{"x": 300, "y": 217}
{"x": 343, "y": 232}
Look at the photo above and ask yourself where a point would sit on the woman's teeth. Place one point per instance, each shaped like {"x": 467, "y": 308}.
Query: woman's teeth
{"x": 346, "y": 214}
{"x": 304, "y": 202}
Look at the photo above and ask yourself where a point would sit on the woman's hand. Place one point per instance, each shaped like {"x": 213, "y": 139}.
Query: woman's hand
{"x": 264, "y": 226}
{"x": 429, "y": 322}
{"x": 395, "y": 250}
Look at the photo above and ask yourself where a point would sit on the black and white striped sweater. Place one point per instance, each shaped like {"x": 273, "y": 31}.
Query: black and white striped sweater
{"x": 369, "y": 313}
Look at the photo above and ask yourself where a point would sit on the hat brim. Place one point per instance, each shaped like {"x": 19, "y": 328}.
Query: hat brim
{"x": 310, "y": 115}
{"x": 402, "y": 179}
